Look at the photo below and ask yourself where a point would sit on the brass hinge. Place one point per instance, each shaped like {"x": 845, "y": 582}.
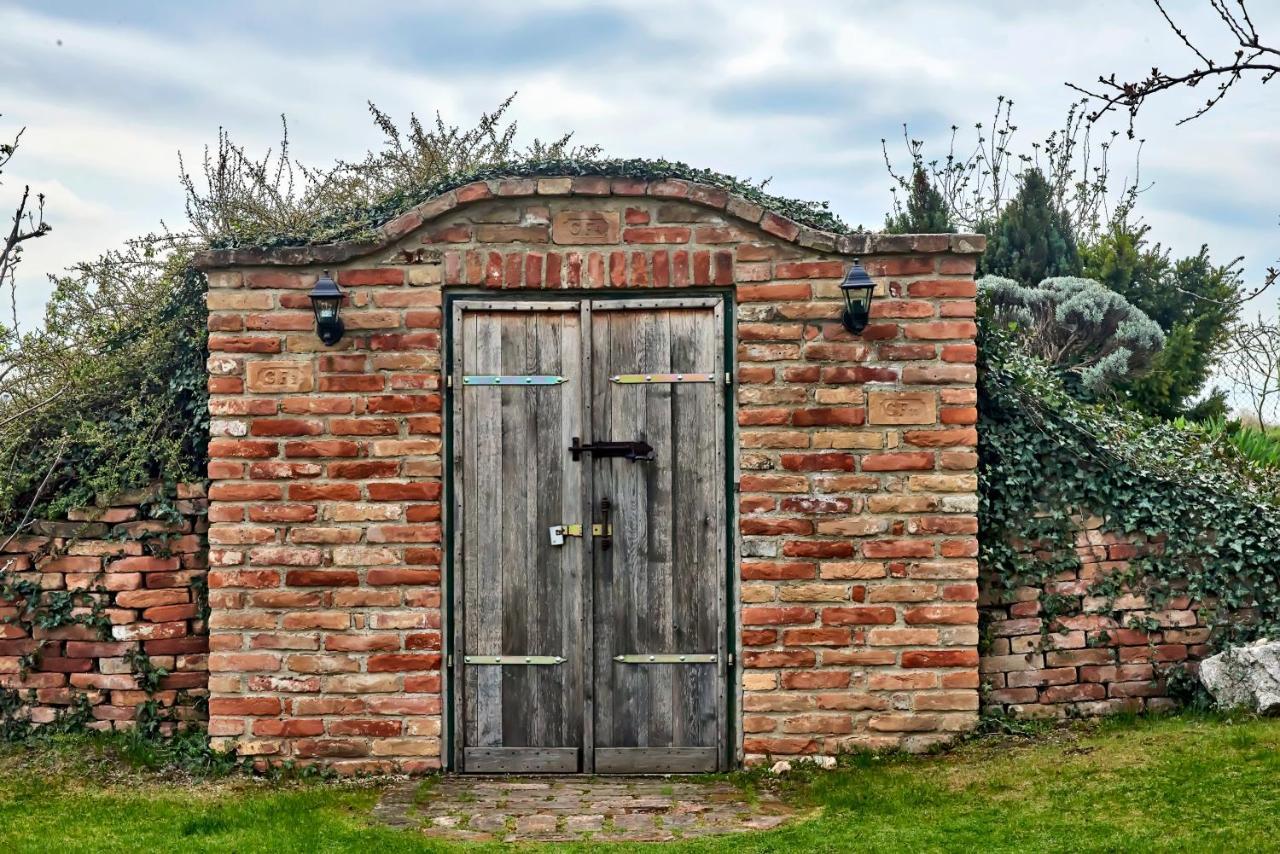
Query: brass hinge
{"x": 649, "y": 379}
{"x": 668, "y": 658}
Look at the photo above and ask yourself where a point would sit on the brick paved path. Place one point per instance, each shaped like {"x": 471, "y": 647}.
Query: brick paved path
{"x": 550, "y": 809}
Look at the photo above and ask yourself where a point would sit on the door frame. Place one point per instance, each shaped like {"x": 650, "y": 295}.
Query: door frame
{"x": 454, "y": 301}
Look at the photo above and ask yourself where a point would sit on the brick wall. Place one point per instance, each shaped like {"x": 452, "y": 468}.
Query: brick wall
{"x": 144, "y": 575}
{"x": 858, "y": 573}
{"x": 1098, "y": 655}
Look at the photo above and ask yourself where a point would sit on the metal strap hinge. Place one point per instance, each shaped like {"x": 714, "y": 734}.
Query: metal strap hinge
{"x": 649, "y": 379}
{"x": 669, "y": 658}
{"x": 513, "y": 379}
{"x": 512, "y": 659}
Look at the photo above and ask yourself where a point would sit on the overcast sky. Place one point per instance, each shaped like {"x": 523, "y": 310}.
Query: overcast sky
{"x": 110, "y": 92}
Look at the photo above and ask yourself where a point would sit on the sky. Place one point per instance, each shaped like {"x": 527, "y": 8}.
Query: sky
{"x": 801, "y": 91}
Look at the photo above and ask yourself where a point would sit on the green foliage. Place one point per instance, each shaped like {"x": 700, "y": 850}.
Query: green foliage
{"x": 361, "y": 220}
{"x": 1032, "y": 240}
{"x": 1046, "y": 457}
{"x": 242, "y": 200}
{"x": 35, "y": 608}
{"x": 1091, "y": 334}
{"x": 111, "y": 393}
{"x": 925, "y": 211}
{"x": 1194, "y": 300}
{"x": 1260, "y": 446}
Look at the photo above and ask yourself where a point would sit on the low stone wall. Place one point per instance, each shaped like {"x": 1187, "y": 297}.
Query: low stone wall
{"x": 1095, "y": 656}
{"x": 94, "y": 605}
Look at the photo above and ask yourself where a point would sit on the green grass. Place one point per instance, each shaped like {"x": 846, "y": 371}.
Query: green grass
{"x": 1178, "y": 783}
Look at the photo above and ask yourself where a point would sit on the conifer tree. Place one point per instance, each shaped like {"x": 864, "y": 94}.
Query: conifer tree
{"x": 1032, "y": 240}
{"x": 925, "y": 211}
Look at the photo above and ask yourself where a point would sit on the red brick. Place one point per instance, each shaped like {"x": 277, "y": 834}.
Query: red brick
{"x": 831, "y": 461}
{"x": 375, "y": 276}
{"x": 322, "y": 578}
{"x": 244, "y": 706}
{"x": 759, "y": 570}
{"x": 958, "y": 615}
{"x": 932, "y": 658}
{"x": 809, "y": 680}
{"x": 859, "y": 616}
{"x": 941, "y": 330}
{"x": 897, "y": 548}
{"x": 773, "y": 616}
{"x": 395, "y": 663}
{"x": 324, "y": 492}
{"x": 829, "y": 416}
{"x": 774, "y": 658}
{"x": 933, "y": 288}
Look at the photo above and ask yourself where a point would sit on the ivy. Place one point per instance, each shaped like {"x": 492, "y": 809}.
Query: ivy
{"x": 360, "y": 221}
{"x": 1047, "y": 459}
{"x": 35, "y": 607}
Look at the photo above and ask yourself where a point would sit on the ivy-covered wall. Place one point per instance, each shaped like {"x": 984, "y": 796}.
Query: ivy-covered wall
{"x": 102, "y": 615}
{"x": 1063, "y": 648}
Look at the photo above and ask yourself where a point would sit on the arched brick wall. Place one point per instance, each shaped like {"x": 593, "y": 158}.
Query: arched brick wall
{"x": 855, "y": 494}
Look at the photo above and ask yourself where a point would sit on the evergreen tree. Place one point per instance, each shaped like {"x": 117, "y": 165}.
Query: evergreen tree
{"x": 1192, "y": 299}
{"x": 925, "y": 211}
{"x": 1032, "y": 240}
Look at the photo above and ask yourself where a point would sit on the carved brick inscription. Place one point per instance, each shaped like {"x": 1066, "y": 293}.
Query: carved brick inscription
{"x": 575, "y": 227}
{"x": 901, "y": 407}
{"x": 266, "y": 377}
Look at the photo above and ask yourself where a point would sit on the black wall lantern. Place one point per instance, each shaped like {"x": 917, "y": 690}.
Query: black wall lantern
{"x": 858, "y": 290}
{"x": 326, "y": 299}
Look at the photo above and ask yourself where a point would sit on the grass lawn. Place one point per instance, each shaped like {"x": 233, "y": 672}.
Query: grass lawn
{"x": 1176, "y": 783}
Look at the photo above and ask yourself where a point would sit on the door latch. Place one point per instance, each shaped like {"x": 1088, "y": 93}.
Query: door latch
{"x": 559, "y": 532}
{"x": 604, "y": 530}
{"x": 637, "y": 450}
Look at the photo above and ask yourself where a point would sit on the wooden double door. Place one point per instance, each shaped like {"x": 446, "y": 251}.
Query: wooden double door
{"x": 589, "y": 535}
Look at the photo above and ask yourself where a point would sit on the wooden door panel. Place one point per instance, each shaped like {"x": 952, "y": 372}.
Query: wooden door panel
{"x": 520, "y": 595}
{"x": 660, "y": 589}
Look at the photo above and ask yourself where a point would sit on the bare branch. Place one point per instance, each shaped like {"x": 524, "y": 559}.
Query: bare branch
{"x": 1252, "y": 57}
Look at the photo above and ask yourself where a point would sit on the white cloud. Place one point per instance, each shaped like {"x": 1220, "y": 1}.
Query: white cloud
{"x": 801, "y": 91}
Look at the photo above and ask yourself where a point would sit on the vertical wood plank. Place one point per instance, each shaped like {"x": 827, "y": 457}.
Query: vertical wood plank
{"x": 587, "y": 492}
{"x": 482, "y": 553}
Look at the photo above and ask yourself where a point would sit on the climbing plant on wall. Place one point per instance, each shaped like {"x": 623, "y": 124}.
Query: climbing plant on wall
{"x": 1047, "y": 458}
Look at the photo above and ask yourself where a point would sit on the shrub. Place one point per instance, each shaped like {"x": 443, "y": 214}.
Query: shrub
{"x": 1078, "y": 326}
{"x": 110, "y": 393}
{"x": 242, "y": 200}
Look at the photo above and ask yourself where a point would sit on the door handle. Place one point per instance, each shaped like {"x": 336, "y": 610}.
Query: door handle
{"x": 606, "y": 530}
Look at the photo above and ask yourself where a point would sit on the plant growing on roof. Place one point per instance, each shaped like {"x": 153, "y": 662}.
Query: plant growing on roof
{"x": 1088, "y": 332}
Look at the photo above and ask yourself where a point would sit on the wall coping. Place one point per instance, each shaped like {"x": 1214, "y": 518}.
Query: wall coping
{"x": 781, "y": 227}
